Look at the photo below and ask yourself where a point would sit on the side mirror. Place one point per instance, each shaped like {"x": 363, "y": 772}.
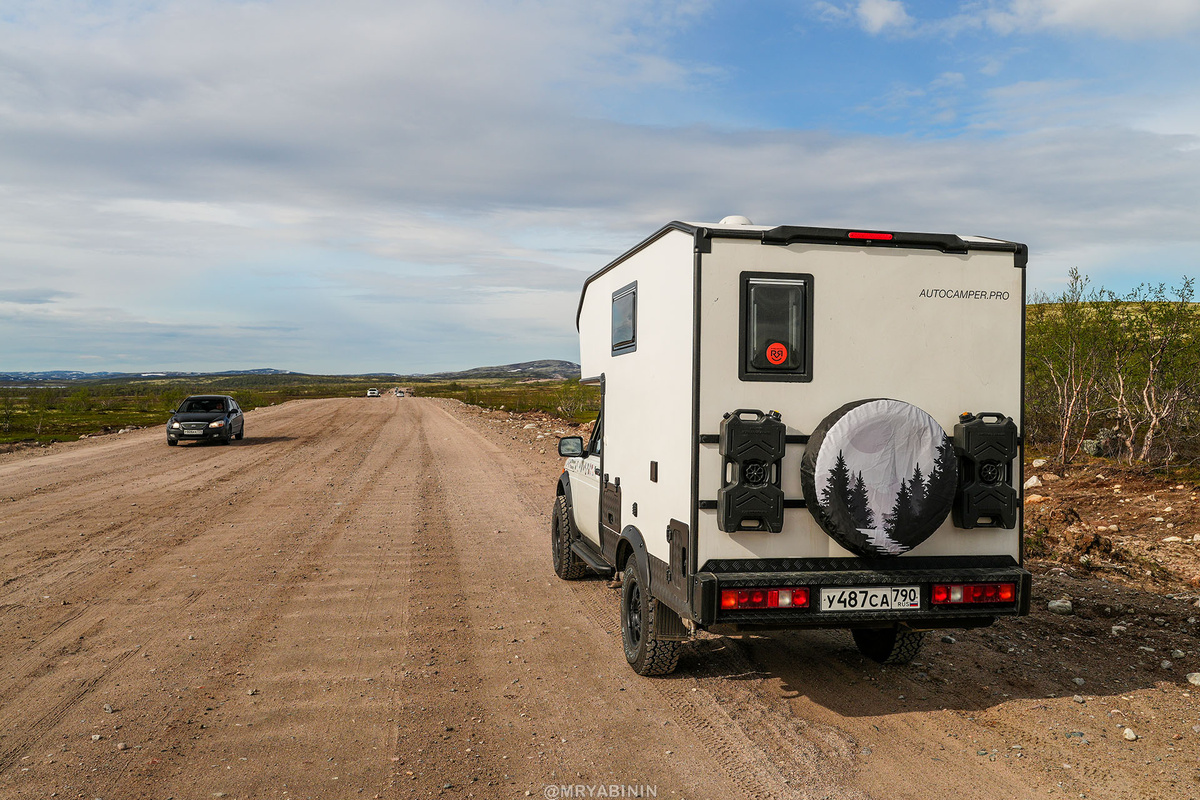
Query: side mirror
{"x": 570, "y": 446}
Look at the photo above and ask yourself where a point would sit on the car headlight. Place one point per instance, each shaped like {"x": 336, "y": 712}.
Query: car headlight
{"x": 175, "y": 424}
{"x": 218, "y": 423}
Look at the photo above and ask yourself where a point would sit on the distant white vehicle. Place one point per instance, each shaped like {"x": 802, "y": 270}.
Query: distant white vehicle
{"x": 372, "y": 393}
{"x": 782, "y": 440}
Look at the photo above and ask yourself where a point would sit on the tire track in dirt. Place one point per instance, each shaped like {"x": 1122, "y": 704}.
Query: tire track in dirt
{"x": 140, "y": 541}
{"x": 529, "y": 654}
{"x": 744, "y": 723}
{"x": 439, "y": 744}
{"x": 363, "y": 466}
{"x": 51, "y": 626}
{"x": 143, "y": 605}
{"x": 725, "y": 701}
{"x": 162, "y": 492}
{"x": 41, "y": 725}
{"x": 90, "y": 478}
{"x": 831, "y": 684}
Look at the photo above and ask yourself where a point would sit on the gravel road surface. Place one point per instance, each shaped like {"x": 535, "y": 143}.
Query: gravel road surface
{"x": 357, "y": 601}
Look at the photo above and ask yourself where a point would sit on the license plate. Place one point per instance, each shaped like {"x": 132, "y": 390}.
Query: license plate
{"x": 871, "y": 598}
{"x": 193, "y": 433}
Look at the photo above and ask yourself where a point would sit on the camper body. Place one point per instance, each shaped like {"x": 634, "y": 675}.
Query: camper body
{"x": 782, "y": 440}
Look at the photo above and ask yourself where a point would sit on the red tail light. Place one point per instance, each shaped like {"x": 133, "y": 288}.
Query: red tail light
{"x": 882, "y": 237}
{"x": 764, "y": 598}
{"x": 956, "y": 593}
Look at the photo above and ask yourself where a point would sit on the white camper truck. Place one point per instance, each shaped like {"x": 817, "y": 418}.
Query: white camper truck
{"x": 800, "y": 428}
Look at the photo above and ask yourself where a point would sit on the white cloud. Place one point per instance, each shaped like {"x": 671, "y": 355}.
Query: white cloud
{"x": 949, "y": 80}
{"x": 420, "y": 187}
{"x": 876, "y": 15}
{"x": 1118, "y": 18}
{"x": 1179, "y": 115}
{"x": 873, "y": 16}
{"x": 831, "y": 13}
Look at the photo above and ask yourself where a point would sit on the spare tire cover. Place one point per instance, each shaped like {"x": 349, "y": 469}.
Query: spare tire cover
{"x": 879, "y": 476}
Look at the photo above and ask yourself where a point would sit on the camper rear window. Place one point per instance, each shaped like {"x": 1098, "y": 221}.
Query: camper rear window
{"x": 624, "y": 319}
{"x": 776, "y": 327}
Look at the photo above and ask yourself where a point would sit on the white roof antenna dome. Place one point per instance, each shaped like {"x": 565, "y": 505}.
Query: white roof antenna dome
{"x": 736, "y": 219}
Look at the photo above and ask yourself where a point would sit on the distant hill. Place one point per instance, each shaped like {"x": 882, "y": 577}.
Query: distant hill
{"x": 548, "y": 369}
{"x": 73, "y": 375}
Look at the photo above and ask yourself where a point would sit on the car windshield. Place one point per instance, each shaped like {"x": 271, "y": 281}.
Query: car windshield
{"x": 202, "y": 405}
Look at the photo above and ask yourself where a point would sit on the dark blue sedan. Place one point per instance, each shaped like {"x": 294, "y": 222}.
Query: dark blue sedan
{"x": 204, "y": 417}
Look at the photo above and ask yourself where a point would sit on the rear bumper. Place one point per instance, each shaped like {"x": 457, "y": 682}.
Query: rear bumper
{"x": 837, "y": 572}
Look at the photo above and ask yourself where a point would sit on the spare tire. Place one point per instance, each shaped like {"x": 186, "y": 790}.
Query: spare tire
{"x": 879, "y": 476}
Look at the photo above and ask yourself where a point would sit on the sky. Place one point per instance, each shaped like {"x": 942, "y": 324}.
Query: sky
{"x": 411, "y": 187}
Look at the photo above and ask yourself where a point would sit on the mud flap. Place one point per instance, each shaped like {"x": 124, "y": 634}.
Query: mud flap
{"x": 668, "y": 626}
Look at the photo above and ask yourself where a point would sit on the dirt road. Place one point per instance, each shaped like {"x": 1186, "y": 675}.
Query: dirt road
{"x": 357, "y": 601}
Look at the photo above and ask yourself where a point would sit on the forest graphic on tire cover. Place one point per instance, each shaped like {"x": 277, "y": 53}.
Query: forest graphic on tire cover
{"x": 892, "y": 478}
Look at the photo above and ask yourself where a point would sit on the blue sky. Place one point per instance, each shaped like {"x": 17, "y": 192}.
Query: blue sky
{"x": 422, "y": 186}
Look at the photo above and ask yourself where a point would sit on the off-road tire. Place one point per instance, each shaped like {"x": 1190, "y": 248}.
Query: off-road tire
{"x": 567, "y": 565}
{"x": 893, "y": 645}
{"x": 171, "y": 442}
{"x": 646, "y": 653}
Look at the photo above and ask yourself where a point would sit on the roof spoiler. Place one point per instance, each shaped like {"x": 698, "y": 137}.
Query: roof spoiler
{"x": 793, "y": 234}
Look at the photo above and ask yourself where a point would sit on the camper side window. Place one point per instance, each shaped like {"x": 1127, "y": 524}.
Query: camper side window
{"x": 776, "y": 327}
{"x": 624, "y": 319}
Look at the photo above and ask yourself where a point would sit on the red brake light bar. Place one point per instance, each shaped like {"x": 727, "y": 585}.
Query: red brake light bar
{"x": 952, "y": 594}
{"x": 764, "y": 598}
{"x": 883, "y": 237}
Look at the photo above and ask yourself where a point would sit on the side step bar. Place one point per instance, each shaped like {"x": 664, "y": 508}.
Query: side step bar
{"x": 589, "y": 557}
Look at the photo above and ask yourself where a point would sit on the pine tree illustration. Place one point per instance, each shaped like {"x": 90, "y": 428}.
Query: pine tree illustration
{"x": 860, "y": 504}
{"x": 836, "y": 493}
{"x": 901, "y": 515}
{"x": 917, "y": 491}
{"x": 943, "y": 479}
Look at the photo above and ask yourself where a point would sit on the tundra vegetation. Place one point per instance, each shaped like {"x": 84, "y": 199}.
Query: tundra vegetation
{"x": 566, "y": 399}
{"x": 1116, "y": 376}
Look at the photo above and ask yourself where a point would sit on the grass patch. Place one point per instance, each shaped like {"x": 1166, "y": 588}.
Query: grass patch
{"x": 564, "y": 399}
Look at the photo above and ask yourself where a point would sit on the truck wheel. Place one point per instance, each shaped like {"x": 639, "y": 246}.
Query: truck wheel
{"x": 645, "y": 652}
{"x": 567, "y": 565}
{"x": 888, "y": 645}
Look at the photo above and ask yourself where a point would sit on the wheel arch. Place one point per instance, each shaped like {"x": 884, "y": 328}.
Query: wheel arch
{"x": 633, "y": 545}
{"x": 564, "y": 491}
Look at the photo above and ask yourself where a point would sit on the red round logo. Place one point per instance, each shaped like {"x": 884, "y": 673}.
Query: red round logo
{"x": 777, "y": 353}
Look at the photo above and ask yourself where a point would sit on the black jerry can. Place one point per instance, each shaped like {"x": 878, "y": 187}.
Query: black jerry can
{"x": 752, "y": 444}
{"x": 986, "y": 445}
